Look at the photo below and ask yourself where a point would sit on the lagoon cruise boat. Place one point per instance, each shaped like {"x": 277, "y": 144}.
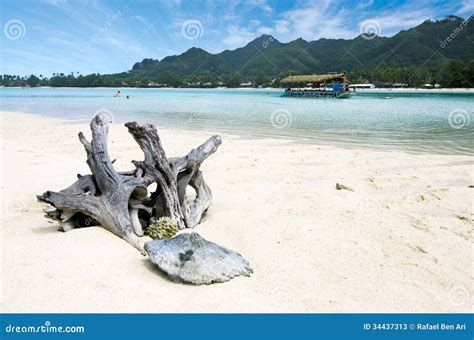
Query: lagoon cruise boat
{"x": 317, "y": 85}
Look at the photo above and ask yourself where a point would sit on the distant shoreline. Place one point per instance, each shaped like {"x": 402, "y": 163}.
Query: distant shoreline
{"x": 377, "y": 89}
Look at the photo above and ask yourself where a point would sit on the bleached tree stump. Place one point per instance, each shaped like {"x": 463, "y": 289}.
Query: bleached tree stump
{"x": 120, "y": 201}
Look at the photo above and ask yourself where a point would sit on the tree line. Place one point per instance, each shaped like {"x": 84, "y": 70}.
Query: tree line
{"x": 452, "y": 73}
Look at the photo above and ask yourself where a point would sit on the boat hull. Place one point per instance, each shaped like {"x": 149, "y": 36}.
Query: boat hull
{"x": 317, "y": 93}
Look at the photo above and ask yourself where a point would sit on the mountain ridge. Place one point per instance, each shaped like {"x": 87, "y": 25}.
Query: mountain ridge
{"x": 416, "y": 46}
{"x": 439, "y": 51}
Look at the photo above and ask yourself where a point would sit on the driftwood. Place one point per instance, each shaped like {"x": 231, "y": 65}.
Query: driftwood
{"x": 120, "y": 201}
{"x": 190, "y": 258}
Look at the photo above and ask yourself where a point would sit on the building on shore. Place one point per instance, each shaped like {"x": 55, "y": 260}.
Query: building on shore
{"x": 246, "y": 84}
{"x": 361, "y": 86}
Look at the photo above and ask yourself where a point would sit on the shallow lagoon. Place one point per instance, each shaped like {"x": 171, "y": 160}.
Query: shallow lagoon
{"x": 434, "y": 122}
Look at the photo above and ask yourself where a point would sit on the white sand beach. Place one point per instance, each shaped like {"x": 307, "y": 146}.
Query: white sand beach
{"x": 401, "y": 242}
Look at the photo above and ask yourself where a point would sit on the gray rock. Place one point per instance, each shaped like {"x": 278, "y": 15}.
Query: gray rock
{"x": 191, "y": 258}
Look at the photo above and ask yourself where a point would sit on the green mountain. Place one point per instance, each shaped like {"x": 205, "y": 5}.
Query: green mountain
{"x": 433, "y": 52}
{"x": 421, "y": 46}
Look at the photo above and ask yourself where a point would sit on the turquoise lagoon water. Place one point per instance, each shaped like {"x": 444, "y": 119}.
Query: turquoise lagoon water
{"x": 419, "y": 122}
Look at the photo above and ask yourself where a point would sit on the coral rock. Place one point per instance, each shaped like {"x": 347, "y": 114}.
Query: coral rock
{"x": 191, "y": 258}
{"x": 165, "y": 227}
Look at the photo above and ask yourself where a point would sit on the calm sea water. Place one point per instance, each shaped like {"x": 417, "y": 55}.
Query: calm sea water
{"x": 419, "y": 122}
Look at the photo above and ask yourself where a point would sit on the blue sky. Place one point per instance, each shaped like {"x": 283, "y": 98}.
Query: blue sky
{"x": 100, "y": 36}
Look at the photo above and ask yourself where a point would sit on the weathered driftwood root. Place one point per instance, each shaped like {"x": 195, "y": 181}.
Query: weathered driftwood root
{"x": 120, "y": 201}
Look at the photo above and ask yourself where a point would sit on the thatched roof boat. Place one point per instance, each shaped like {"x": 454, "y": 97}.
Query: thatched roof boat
{"x": 317, "y": 85}
{"x": 314, "y": 78}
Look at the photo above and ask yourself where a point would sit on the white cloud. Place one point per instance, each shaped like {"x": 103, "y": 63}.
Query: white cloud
{"x": 255, "y": 23}
{"x": 54, "y": 2}
{"x": 260, "y": 3}
{"x": 404, "y": 17}
{"x": 148, "y": 25}
{"x": 362, "y": 4}
{"x": 467, "y": 8}
{"x": 238, "y": 36}
{"x": 59, "y": 41}
{"x": 318, "y": 19}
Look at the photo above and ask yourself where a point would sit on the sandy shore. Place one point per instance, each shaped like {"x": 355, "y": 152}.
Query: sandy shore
{"x": 401, "y": 242}
{"x": 419, "y": 90}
